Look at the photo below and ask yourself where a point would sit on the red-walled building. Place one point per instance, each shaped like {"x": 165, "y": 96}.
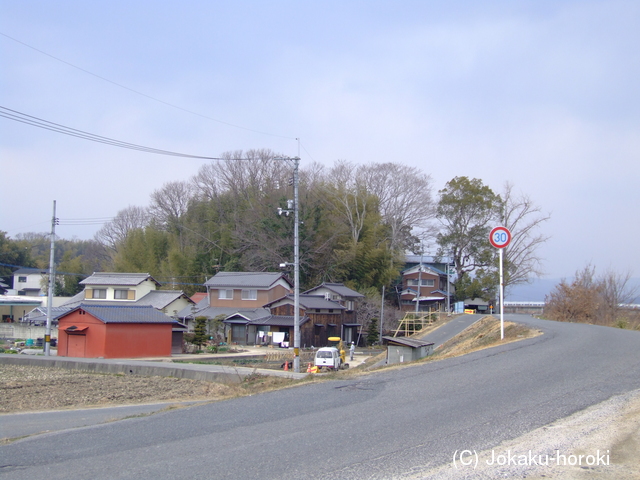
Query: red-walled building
{"x": 113, "y": 331}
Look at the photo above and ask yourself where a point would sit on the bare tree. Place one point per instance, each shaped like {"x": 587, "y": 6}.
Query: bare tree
{"x": 170, "y": 203}
{"x": 590, "y": 298}
{"x": 523, "y": 219}
{"x": 347, "y": 190}
{"x": 405, "y": 198}
{"x": 115, "y": 231}
{"x": 242, "y": 174}
{"x": 615, "y": 290}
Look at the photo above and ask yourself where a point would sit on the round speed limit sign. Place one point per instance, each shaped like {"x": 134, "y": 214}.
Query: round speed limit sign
{"x": 500, "y": 237}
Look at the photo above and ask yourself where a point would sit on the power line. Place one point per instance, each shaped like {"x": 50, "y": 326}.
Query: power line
{"x": 58, "y": 128}
{"x": 143, "y": 94}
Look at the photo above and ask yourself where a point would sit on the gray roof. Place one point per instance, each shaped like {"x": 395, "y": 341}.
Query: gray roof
{"x": 338, "y": 288}
{"x": 203, "y": 309}
{"x": 29, "y": 271}
{"x": 40, "y": 313}
{"x": 113, "y": 278}
{"x": 426, "y": 268}
{"x": 155, "y": 298}
{"x": 161, "y": 298}
{"x": 123, "y": 314}
{"x": 312, "y": 301}
{"x": 245, "y": 279}
{"x": 279, "y": 321}
{"x": 408, "y": 342}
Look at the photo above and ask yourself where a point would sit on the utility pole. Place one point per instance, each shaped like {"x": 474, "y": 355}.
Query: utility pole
{"x": 52, "y": 279}
{"x": 381, "y": 316}
{"x": 296, "y": 262}
{"x": 419, "y": 280}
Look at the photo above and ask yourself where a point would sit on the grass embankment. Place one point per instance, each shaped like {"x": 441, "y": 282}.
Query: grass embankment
{"x": 485, "y": 333}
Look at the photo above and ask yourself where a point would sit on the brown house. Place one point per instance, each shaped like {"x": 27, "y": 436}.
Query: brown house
{"x": 109, "y": 331}
{"x": 246, "y": 290}
{"x": 326, "y": 319}
{"x": 426, "y": 285}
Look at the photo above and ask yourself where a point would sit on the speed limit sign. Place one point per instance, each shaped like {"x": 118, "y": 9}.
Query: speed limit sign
{"x": 500, "y": 237}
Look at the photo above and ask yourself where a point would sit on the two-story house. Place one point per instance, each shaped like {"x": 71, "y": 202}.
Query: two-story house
{"x": 112, "y": 288}
{"x": 31, "y": 281}
{"x": 246, "y": 290}
{"x": 338, "y": 292}
{"x": 320, "y": 318}
{"x": 426, "y": 285}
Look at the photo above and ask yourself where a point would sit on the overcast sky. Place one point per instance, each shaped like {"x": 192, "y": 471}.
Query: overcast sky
{"x": 543, "y": 94}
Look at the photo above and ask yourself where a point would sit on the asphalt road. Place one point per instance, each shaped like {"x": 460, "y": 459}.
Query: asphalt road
{"x": 388, "y": 424}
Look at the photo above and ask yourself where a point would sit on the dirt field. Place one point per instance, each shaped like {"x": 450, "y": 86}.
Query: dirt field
{"x": 27, "y": 388}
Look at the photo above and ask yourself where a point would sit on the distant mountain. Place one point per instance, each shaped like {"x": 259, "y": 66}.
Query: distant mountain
{"x": 535, "y": 291}
{"x": 539, "y": 288}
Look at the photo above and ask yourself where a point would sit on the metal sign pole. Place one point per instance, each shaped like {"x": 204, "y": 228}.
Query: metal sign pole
{"x": 501, "y": 299}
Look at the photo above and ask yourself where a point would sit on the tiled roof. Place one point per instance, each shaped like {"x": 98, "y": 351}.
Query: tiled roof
{"x": 309, "y": 301}
{"x": 111, "y": 278}
{"x": 155, "y": 298}
{"x": 161, "y": 298}
{"x": 407, "y": 342}
{"x": 29, "y": 271}
{"x": 245, "y": 279}
{"x": 123, "y": 314}
{"x": 279, "y": 321}
{"x": 338, "y": 288}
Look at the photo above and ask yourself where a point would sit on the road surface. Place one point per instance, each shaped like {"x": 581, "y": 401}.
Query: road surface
{"x": 389, "y": 424}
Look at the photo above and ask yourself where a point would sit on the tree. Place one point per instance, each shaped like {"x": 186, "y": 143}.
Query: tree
{"x": 170, "y": 203}
{"x": 405, "y": 199}
{"x": 590, "y": 298}
{"x": 466, "y": 210}
{"x": 13, "y": 252}
{"x": 200, "y": 332}
{"x": 523, "y": 219}
{"x": 373, "y": 333}
{"x": 114, "y": 232}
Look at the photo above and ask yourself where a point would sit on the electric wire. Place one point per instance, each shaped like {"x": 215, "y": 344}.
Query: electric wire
{"x": 143, "y": 94}
{"x": 56, "y": 127}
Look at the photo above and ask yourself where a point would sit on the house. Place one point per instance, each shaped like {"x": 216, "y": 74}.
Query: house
{"x": 426, "y": 285}
{"x": 114, "y": 331}
{"x": 260, "y": 327}
{"x": 141, "y": 289}
{"x": 337, "y": 292}
{"x": 326, "y": 319}
{"x": 246, "y": 290}
{"x": 31, "y": 282}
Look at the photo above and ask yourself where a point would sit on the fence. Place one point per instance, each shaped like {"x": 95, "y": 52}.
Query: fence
{"x": 17, "y": 330}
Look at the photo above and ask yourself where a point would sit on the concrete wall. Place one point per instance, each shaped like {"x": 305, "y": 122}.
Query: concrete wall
{"x": 17, "y": 330}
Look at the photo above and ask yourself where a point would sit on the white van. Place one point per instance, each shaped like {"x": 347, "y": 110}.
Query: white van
{"x": 328, "y": 357}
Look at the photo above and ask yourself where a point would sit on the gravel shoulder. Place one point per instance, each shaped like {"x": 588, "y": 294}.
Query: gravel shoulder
{"x": 601, "y": 442}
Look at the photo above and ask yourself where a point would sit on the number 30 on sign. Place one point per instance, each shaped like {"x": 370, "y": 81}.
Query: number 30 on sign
{"x": 500, "y": 237}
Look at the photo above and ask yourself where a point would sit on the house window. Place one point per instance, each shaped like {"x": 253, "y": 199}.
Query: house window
{"x": 121, "y": 294}
{"x": 99, "y": 293}
{"x": 22, "y": 279}
{"x": 249, "y": 294}
{"x": 349, "y": 305}
{"x": 426, "y": 282}
{"x": 225, "y": 294}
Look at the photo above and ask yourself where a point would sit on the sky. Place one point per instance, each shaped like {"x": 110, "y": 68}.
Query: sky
{"x": 542, "y": 94}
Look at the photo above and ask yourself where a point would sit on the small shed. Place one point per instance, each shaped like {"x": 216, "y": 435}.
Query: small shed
{"x": 403, "y": 349}
{"x": 113, "y": 331}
